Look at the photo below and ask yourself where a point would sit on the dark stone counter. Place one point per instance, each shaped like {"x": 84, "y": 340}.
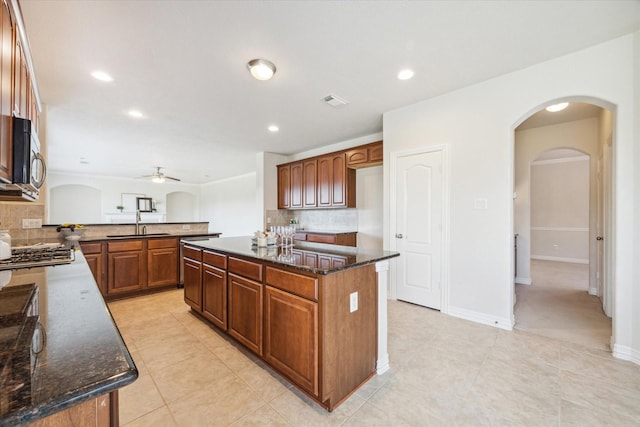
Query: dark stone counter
{"x": 83, "y": 356}
{"x": 315, "y": 258}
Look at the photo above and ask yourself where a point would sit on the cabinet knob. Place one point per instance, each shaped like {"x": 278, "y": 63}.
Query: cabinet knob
{"x": 599, "y": 238}
{"x": 398, "y": 236}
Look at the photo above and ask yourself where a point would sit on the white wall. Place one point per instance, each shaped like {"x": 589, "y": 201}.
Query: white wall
{"x": 112, "y": 189}
{"x": 369, "y": 203}
{"x": 230, "y": 206}
{"x": 477, "y": 125}
{"x": 181, "y": 207}
{"x": 560, "y": 209}
{"x": 75, "y": 204}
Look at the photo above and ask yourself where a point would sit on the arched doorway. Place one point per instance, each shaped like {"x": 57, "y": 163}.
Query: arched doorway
{"x": 556, "y": 149}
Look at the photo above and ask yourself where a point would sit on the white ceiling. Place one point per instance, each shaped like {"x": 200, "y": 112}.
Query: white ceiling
{"x": 183, "y": 64}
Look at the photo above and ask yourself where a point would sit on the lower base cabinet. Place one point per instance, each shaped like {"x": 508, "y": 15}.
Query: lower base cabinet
{"x": 245, "y": 312}
{"x": 298, "y": 322}
{"x": 291, "y": 337}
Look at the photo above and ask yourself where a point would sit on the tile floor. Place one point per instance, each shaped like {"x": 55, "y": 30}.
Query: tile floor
{"x": 445, "y": 371}
{"x": 557, "y": 305}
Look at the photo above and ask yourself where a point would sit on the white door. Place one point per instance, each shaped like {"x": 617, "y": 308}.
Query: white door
{"x": 418, "y": 228}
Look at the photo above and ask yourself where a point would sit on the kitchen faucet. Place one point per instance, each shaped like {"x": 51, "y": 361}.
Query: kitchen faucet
{"x": 137, "y": 221}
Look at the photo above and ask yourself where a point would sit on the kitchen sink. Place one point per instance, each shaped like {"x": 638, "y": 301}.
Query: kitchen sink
{"x": 139, "y": 235}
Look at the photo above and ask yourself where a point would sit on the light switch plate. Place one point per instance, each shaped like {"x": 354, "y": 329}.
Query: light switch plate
{"x": 353, "y": 302}
{"x": 31, "y": 223}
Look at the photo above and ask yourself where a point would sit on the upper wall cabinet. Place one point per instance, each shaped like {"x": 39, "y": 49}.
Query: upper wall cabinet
{"x": 365, "y": 155}
{"x": 17, "y": 86}
{"x": 327, "y": 181}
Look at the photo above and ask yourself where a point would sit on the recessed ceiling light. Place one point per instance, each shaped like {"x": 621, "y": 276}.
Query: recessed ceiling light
{"x": 261, "y": 69}
{"x": 273, "y": 128}
{"x": 405, "y": 74}
{"x": 137, "y": 114}
{"x": 102, "y": 76}
{"x": 557, "y": 107}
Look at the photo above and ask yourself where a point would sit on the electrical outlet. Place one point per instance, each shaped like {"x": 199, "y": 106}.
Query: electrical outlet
{"x": 31, "y": 223}
{"x": 268, "y": 220}
{"x": 353, "y": 302}
{"x": 186, "y": 226}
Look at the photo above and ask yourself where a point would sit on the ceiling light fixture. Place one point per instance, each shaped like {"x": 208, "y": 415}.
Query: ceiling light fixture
{"x": 273, "y": 128}
{"x": 557, "y": 107}
{"x": 102, "y": 76}
{"x": 158, "y": 179}
{"x": 261, "y": 69}
{"x": 405, "y": 74}
{"x": 135, "y": 114}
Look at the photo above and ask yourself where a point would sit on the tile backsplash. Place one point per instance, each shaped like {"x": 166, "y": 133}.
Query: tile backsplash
{"x": 12, "y": 214}
{"x": 317, "y": 219}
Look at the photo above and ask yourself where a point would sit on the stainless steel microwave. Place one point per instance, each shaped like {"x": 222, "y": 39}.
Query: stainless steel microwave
{"x": 29, "y": 167}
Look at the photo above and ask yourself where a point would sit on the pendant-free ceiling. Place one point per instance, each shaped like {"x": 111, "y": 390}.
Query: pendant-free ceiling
{"x": 261, "y": 69}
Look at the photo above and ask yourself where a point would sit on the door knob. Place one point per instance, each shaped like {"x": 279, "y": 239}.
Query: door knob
{"x": 599, "y": 238}
{"x": 398, "y": 236}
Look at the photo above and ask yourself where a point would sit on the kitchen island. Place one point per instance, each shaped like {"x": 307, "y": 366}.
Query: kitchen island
{"x": 63, "y": 358}
{"x": 315, "y": 313}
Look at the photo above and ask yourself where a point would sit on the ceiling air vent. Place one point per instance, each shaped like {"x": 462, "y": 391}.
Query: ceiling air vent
{"x": 335, "y": 101}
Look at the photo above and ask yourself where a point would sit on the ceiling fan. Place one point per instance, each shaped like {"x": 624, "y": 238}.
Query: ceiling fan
{"x": 159, "y": 177}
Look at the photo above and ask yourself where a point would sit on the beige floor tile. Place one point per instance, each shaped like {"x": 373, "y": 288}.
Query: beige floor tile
{"x": 575, "y": 415}
{"x": 235, "y": 359}
{"x": 161, "y": 417}
{"x": 221, "y": 403}
{"x": 263, "y": 381}
{"x": 265, "y": 416}
{"x": 190, "y": 375}
{"x": 600, "y": 396}
{"x": 170, "y": 353}
{"x": 370, "y": 416}
{"x": 407, "y": 406}
{"x": 139, "y": 399}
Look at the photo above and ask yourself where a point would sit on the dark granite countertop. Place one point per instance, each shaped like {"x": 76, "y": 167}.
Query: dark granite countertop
{"x": 303, "y": 256}
{"x": 148, "y": 236}
{"x": 84, "y": 355}
{"x": 332, "y": 232}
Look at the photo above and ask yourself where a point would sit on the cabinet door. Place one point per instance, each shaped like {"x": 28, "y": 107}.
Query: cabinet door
{"x": 193, "y": 283}
{"x": 284, "y": 186}
{"x": 127, "y": 271}
{"x": 357, "y": 156}
{"x": 310, "y": 176}
{"x": 376, "y": 153}
{"x": 295, "y": 200}
{"x": 291, "y": 337}
{"x": 96, "y": 262}
{"x": 163, "y": 266}
{"x": 339, "y": 181}
{"x": 214, "y": 295}
{"x": 245, "y": 312}
{"x": 325, "y": 181}
{"x": 6, "y": 86}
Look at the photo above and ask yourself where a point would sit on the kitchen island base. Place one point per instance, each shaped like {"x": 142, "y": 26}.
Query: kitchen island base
{"x": 317, "y": 328}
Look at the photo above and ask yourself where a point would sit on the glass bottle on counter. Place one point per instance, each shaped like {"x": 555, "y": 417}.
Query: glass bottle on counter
{"x": 5, "y": 244}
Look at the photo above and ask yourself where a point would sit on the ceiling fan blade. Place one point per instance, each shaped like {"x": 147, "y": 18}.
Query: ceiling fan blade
{"x": 172, "y": 178}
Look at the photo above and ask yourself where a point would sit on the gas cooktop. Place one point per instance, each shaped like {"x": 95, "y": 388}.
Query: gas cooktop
{"x": 40, "y": 255}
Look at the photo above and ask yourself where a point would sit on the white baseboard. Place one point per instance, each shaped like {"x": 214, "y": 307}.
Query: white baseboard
{"x": 561, "y": 259}
{"x": 626, "y": 353}
{"x": 382, "y": 364}
{"x": 485, "y": 319}
{"x": 523, "y": 280}
{"x": 593, "y": 291}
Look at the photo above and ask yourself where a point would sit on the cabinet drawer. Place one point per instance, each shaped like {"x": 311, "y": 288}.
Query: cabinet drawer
{"x": 321, "y": 238}
{"x": 298, "y": 284}
{"x": 130, "y": 245}
{"x": 193, "y": 253}
{"x": 214, "y": 259}
{"x": 300, "y": 236}
{"x": 250, "y": 270}
{"x": 162, "y": 243}
{"x": 91, "y": 248}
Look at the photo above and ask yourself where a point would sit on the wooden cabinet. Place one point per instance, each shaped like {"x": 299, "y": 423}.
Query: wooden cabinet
{"x": 291, "y": 337}
{"x": 94, "y": 254}
{"x": 127, "y": 269}
{"x": 336, "y": 184}
{"x": 193, "y": 279}
{"x": 284, "y": 186}
{"x": 245, "y": 312}
{"x": 162, "y": 262}
{"x": 6, "y": 89}
{"x": 365, "y": 156}
{"x": 343, "y": 239}
{"x": 296, "y": 184}
{"x": 309, "y": 183}
{"x": 214, "y": 288}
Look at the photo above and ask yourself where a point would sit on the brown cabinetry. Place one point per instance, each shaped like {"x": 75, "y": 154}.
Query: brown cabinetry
{"x": 6, "y": 56}
{"x": 245, "y": 312}
{"x": 309, "y": 183}
{"x": 284, "y": 186}
{"x": 365, "y": 155}
{"x": 193, "y": 278}
{"x": 295, "y": 187}
{"x": 162, "y": 262}
{"x": 343, "y": 239}
{"x": 214, "y": 295}
{"x": 94, "y": 254}
{"x": 291, "y": 337}
{"x": 127, "y": 266}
